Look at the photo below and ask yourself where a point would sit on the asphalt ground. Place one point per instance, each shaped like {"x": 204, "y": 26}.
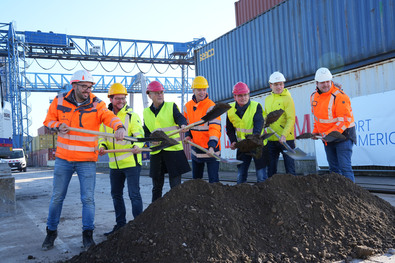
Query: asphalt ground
{"x": 22, "y": 234}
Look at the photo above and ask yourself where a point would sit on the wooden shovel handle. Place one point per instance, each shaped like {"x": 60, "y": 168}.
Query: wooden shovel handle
{"x": 126, "y": 150}
{"x": 186, "y": 127}
{"x": 203, "y": 149}
{"x": 111, "y": 135}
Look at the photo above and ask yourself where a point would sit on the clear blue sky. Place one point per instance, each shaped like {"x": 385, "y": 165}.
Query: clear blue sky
{"x": 170, "y": 20}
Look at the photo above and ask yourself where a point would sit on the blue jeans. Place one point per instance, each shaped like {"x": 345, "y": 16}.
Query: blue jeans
{"x": 117, "y": 180}
{"x": 242, "y": 169}
{"x": 212, "y": 170}
{"x": 339, "y": 158}
{"x": 275, "y": 148}
{"x": 63, "y": 172}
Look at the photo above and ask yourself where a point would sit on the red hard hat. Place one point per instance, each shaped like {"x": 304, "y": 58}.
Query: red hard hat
{"x": 240, "y": 88}
{"x": 155, "y": 86}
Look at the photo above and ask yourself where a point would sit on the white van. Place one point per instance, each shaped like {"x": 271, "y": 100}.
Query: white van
{"x": 17, "y": 160}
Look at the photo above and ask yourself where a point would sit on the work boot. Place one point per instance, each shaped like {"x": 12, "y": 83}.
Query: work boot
{"x": 87, "y": 238}
{"x": 49, "y": 239}
{"x": 116, "y": 228}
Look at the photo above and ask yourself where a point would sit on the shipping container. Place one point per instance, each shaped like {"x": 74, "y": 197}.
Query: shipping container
{"x": 297, "y": 37}
{"x": 374, "y": 85}
{"x": 44, "y": 142}
{"x": 248, "y": 9}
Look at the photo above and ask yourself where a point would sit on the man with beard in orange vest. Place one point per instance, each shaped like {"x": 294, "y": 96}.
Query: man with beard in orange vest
{"x": 76, "y": 151}
{"x": 332, "y": 111}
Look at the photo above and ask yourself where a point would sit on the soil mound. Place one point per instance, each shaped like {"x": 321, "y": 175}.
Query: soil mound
{"x": 284, "y": 219}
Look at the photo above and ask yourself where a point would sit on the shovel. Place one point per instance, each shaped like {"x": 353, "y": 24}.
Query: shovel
{"x": 111, "y": 135}
{"x": 215, "y": 112}
{"x": 151, "y": 149}
{"x": 333, "y": 136}
{"x": 273, "y": 117}
{"x": 296, "y": 154}
{"x": 223, "y": 160}
{"x": 252, "y": 142}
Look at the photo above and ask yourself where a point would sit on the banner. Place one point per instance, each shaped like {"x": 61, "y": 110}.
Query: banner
{"x": 374, "y": 117}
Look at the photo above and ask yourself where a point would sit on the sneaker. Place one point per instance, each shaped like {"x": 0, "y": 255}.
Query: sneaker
{"x": 116, "y": 228}
{"x": 87, "y": 239}
{"x": 49, "y": 239}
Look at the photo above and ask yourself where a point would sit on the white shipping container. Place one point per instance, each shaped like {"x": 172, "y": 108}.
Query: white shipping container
{"x": 376, "y": 79}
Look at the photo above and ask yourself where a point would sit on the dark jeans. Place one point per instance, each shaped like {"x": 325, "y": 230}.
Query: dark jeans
{"x": 339, "y": 158}
{"x": 117, "y": 180}
{"x": 212, "y": 170}
{"x": 275, "y": 148}
{"x": 158, "y": 182}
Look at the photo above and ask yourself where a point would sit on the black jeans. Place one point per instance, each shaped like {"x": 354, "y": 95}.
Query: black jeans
{"x": 158, "y": 182}
{"x": 275, "y": 148}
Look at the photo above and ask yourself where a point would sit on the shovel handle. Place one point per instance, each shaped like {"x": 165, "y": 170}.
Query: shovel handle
{"x": 110, "y": 135}
{"x": 203, "y": 149}
{"x": 283, "y": 143}
{"x": 125, "y": 150}
{"x": 186, "y": 127}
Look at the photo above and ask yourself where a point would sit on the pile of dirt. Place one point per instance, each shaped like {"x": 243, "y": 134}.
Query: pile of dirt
{"x": 284, "y": 219}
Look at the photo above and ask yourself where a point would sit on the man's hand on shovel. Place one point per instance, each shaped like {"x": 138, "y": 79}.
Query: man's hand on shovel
{"x": 120, "y": 133}
{"x": 63, "y": 128}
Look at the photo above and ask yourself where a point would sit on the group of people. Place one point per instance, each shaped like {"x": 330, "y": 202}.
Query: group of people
{"x": 78, "y": 151}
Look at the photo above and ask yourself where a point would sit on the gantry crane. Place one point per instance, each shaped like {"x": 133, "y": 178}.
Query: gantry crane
{"x": 18, "y": 46}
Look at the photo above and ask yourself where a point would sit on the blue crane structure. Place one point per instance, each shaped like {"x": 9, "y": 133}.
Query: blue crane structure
{"x": 18, "y": 46}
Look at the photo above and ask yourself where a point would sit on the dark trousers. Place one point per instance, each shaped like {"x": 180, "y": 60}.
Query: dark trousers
{"x": 158, "y": 182}
{"x": 275, "y": 148}
{"x": 212, "y": 170}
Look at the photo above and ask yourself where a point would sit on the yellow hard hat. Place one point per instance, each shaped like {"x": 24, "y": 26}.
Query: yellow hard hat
{"x": 117, "y": 89}
{"x": 199, "y": 83}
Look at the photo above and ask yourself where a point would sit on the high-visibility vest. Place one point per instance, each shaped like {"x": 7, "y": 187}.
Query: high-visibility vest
{"x": 244, "y": 125}
{"x": 203, "y": 133}
{"x": 163, "y": 121}
{"x": 77, "y": 146}
{"x": 133, "y": 126}
{"x": 332, "y": 111}
{"x": 285, "y": 125}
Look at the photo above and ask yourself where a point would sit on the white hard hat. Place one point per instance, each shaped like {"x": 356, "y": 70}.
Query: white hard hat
{"x": 323, "y": 74}
{"x": 82, "y": 75}
{"x": 276, "y": 77}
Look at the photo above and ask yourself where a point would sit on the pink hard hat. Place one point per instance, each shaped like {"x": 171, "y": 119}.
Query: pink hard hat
{"x": 240, "y": 88}
{"x": 154, "y": 86}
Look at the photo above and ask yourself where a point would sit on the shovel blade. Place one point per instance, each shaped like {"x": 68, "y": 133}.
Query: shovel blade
{"x": 231, "y": 161}
{"x": 296, "y": 154}
{"x": 267, "y": 135}
{"x": 216, "y": 111}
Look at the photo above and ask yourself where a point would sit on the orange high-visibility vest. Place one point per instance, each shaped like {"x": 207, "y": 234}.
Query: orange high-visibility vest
{"x": 332, "y": 111}
{"x": 208, "y": 131}
{"x": 77, "y": 146}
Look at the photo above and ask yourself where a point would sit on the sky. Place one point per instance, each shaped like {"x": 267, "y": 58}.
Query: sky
{"x": 171, "y": 20}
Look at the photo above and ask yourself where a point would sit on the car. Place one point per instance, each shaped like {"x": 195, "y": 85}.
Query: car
{"x": 17, "y": 160}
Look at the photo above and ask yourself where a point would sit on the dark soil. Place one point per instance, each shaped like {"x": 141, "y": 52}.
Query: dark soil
{"x": 284, "y": 219}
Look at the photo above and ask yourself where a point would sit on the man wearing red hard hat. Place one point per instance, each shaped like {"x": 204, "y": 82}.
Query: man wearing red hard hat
{"x": 164, "y": 116}
{"x": 245, "y": 117}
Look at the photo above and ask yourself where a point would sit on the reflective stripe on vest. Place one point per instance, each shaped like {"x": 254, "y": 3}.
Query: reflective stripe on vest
{"x": 163, "y": 121}
{"x": 75, "y": 147}
{"x": 244, "y": 125}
